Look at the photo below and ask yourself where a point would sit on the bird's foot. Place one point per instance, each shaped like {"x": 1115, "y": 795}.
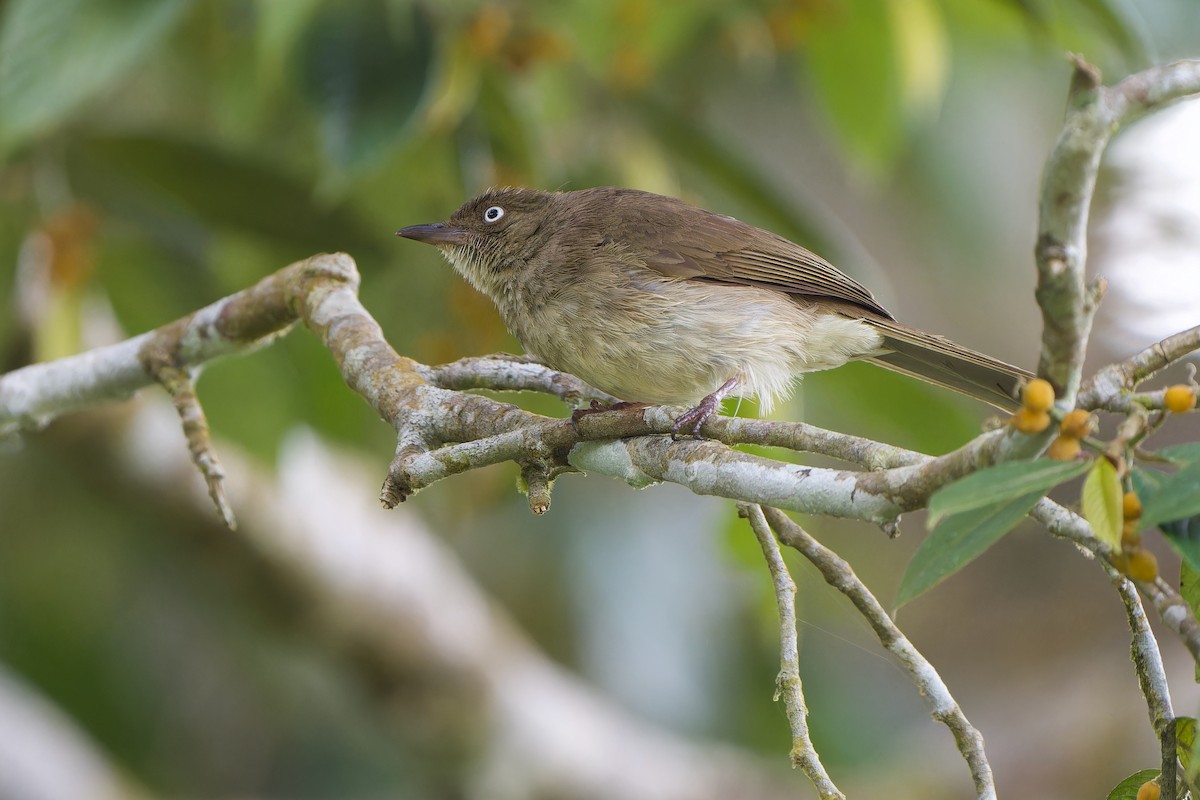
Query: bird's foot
{"x": 695, "y": 418}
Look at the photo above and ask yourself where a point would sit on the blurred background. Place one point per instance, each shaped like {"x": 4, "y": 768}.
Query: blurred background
{"x": 156, "y": 155}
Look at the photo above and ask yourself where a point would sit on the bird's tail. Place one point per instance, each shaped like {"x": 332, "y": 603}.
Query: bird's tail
{"x": 938, "y": 360}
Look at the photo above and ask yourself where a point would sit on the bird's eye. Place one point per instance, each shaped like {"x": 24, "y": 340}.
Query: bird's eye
{"x": 493, "y": 214}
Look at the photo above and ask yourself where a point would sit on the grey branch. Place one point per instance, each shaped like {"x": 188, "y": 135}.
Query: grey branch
{"x": 1152, "y": 677}
{"x": 788, "y": 686}
{"x": 1095, "y": 113}
{"x": 944, "y": 708}
{"x": 1111, "y": 387}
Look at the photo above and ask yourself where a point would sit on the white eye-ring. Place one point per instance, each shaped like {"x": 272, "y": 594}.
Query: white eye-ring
{"x": 493, "y": 214}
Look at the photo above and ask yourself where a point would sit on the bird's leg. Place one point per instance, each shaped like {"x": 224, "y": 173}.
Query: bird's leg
{"x": 696, "y": 417}
{"x": 597, "y": 407}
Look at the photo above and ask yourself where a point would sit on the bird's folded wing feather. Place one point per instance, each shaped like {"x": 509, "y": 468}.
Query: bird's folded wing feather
{"x": 719, "y": 248}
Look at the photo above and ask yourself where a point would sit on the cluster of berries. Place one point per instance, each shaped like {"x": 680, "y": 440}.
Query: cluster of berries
{"x": 1037, "y": 401}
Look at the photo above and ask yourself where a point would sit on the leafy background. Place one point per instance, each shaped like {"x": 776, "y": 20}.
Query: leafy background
{"x": 175, "y": 151}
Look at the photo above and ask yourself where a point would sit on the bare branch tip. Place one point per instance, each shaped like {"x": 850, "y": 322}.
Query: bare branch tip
{"x": 536, "y": 483}
{"x": 158, "y": 360}
{"x": 216, "y": 490}
{"x": 1086, "y": 77}
{"x": 396, "y": 488}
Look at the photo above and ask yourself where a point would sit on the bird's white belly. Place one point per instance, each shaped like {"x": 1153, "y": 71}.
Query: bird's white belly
{"x": 671, "y": 341}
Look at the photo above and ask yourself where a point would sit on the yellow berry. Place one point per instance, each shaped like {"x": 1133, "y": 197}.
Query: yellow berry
{"x": 1179, "y": 398}
{"x": 1149, "y": 791}
{"x": 1063, "y": 448}
{"x": 1027, "y": 421}
{"x": 1142, "y": 565}
{"x": 1038, "y": 395}
{"x": 1131, "y": 535}
{"x": 1077, "y": 424}
{"x": 1131, "y": 506}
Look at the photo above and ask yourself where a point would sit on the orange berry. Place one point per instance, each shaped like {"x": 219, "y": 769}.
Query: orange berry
{"x": 1149, "y": 791}
{"x": 1142, "y": 565}
{"x": 1027, "y": 421}
{"x": 1077, "y": 424}
{"x": 1131, "y": 535}
{"x": 1038, "y": 395}
{"x": 1063, "y": 448}
{"x": 1179, "y": 398}
{"x": 1131, "y": 506}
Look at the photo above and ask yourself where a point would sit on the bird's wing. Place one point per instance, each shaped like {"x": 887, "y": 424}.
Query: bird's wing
{"x": 712, "y": 247}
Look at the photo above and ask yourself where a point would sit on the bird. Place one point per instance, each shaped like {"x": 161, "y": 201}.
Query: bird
{"x": 657, "y": 301}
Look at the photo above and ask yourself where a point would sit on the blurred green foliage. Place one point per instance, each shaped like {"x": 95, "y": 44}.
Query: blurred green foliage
{"x": 174, "y": 151}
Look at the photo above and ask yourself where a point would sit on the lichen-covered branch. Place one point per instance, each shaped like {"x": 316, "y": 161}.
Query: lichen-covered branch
{"x": 1172, "y": 609}
{"x": 1094, "y": 114}
{"x": 1110, "y": 387}
{"x": 34, "y": 395}
{"x": 788, "y": 686}
{"x": 944, "y": 708}
{"x": 1152, "y": 678}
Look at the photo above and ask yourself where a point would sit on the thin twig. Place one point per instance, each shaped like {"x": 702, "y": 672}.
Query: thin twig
{"x": 838, "y": 573}
{"x": 182, "y": 391}
{"x": 788, "y": 687}
{"x": 1152, "y": 677}
{"x": 1110, "y": 387}
{"x": 1172, "y": 609}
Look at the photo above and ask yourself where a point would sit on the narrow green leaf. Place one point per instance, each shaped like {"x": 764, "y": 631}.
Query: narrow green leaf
{"x": 1184, "y": 537}
{"x": 1191, "y": 765}
{"x": 863, "y": 102}
{"x": 1185, "y": 740}
{"x": 1189, "y": 588}
{"x": 1001, "y": 482}
{"x": 54, "y": 56}
{"x": 364, "y": 68}
{"x": 222, "y": 187}
{"x": 960, "y": 539}
{"x": 1182, "y": 453}
{"x": 1177, "y": 498}
{"x": 1128, "y": 788}
{"x": 1147, "y": 482}
{"x": 1102, "y": 502}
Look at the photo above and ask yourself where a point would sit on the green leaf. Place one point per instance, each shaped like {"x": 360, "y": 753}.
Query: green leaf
{"x": 54, "y": 56}
{"x": 1182, "y": 454}
{"x": 1102, "y": 502}
{"x": 877, "y": 65}
{"x": 364, "y": 68}
{"x": 142, "y": 177}
{"x": 1189, "y": 588}
{"x": 1184, "y": 537}
{"x": 862, "y": 96}
{"x": 1182, "y": 534}
{"x": 1128, "y": 788}
{"x": 1001, "y": 482}
{"x": 1177, "y": 498}
{"x": 1185, "y": 740}
{"x": 958, "y": 540}
{"x": 1146, "y": 482}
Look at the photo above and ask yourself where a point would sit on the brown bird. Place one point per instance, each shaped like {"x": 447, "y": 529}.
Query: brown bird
{"x": 654, "y": 300}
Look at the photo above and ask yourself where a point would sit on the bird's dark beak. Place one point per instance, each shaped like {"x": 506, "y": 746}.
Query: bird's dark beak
{"x": 436, "y": 233}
